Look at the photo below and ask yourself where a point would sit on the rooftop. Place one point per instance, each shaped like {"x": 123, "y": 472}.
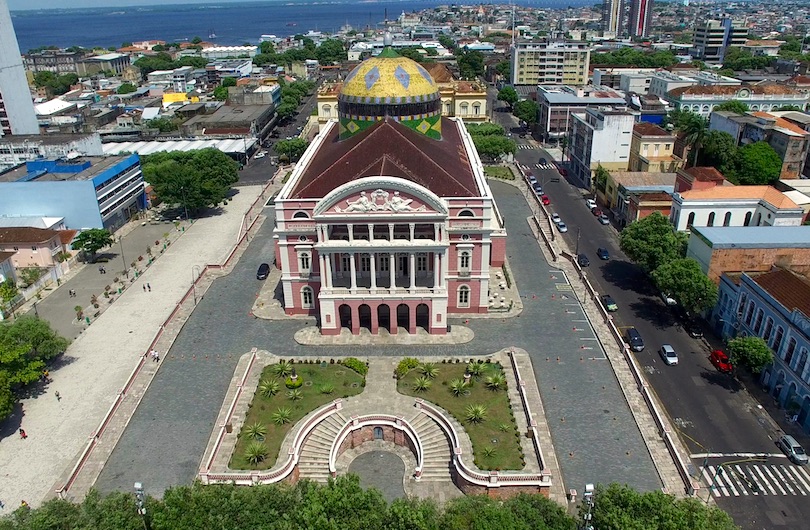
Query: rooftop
{"x": 768, "y": 194}
{"x": 755, "y": 236}
{"x": 788, "y": 288}
{"x": 770, "y": 89}
{"x": 641, "y": 179}
{"x": 26, "y": 234}
{"x": 98, "y": 164}
{"x": 782, "y": 123}
{"x": 705, "y": 174}
{"x": 645, "y": 128}
{"x": 232, "y": 113}
{"x": 5, "y": 255}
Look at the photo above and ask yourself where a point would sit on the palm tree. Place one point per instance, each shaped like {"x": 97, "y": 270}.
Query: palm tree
{"x": 268, "y": 388}
{"x": 295, "y": 394}
{"x": 281, "y": 416}
{"x": 421, "y": 384}
{"x": 429, "y": 370}
{"x": 283, "y": 368}
{"x": 255, "y": 431}
{"x": 255, "y": 452}
{"x": 475, "y": 413}
{"x": 458, "y": 387}
{"x": 694, "y": 129}
{"x": 475, "y": 369}
{"x": 496, "y": 382}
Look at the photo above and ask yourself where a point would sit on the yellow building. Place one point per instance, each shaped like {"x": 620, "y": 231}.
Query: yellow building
{"x": 652, "y": 149}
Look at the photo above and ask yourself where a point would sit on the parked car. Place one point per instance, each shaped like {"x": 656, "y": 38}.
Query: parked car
{"x": 591, "y": 203}
{"x": 555, "y": 218}
{"x": 546, "y": 201}
{"x": 603, "y": 253}
{"x": 563, "y": 172}
{"x": 543, "y": 161}
{"x": 609, "y": 303}
{"x": 720, "y": 361}
{"x": 261, "y": 155}
{"x": 604, "y": 219}
{"x": 531, "y": 178}
{"x": 792, "y": 449}
{"x": 263, "y": 272}
{"x": 562, "y": 227}
{"x": 668, "y": 299}
{"x": 634, "y": 339}
{"x": 668, "y": 354}
{"x": 538, "y": 189}
{"x": 583, "y": 260}
{"x": 597, "y": 212}
{"x": 692, "y": 326}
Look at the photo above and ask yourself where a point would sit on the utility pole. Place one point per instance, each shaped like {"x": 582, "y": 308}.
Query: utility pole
{"x": 123, "y": 259}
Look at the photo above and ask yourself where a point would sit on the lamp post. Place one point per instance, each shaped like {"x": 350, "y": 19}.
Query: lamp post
{"x": 140, "y": 499}
{"x": 123, "y": 259}
{"x": 185, "y": 208}
{"x": 194, "y": 281}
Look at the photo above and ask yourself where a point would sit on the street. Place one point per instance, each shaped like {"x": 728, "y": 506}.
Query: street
{"x": 715, "y": 416}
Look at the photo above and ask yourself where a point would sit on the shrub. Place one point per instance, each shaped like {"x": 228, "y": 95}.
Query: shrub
{"x": 282, "y": 368}
{"x": 294, "y": 383}
{"x": 281, "y": 416}
{"x": 421, "y": 384}
{"x": 405, "y": 365}
{"x": 268, "y": 387}
{"x": 495, "y": 382}
{"x": 490, "y": 451}
{"x": 295, "y": 394}
{"x": 355, "y": 364}
{"x": 475, "y": 369}
{"x": 326, "y": 388}
{"x": 255, "y": 452}
{"x": 458, "y": 387}
{"x": 255, "y": 430}
{"x": 475, "y": 413}
{"x": 429, "y": 370}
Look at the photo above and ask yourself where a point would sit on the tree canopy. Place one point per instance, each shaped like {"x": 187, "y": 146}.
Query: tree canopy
{"x": 192, "y": 179}
{"x": 126, "y": 88}
{"x": 56, "y": 85}
{"x": 756, "y": 163}
{"x": 292, "y": 150}
{"x": 526, "y": 110}
{"x": 331, "y": 51}
{"x": 652, "y": 241}
{"x": 493, "y": 147}
{"x": 470, "y": 64}
{"x": 719, "y": 151}
{"x": 685, "y": 282}
{"x": 750, "y": 352}
{"x": 633, "y": 57}
{"x": 484, "y": 129}
{"x": 733, "y": 105}
{"x": 25, "y": 347}
{"x": 92, "y": 240}
{"x": 509, "y": 95}
{"x": 736, "y": 58}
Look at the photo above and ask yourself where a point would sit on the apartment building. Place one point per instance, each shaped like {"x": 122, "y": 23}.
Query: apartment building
{"x": 550, "y": 63}
{"x": 640, "y": 18}
{"x": 714, "y": 37}
{"x": 612, "y": 76}
{"x": 613, "y": 19}
{"x": 652, "y": 149}
{"x": 56, "y": 61}
{"x": 600, "y": 136}
{"x": 557, "y": 103}
{"x": 16, "y": 105}
{"x": 663, "y": 81}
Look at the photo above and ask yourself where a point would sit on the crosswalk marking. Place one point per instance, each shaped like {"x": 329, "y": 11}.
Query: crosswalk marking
{"x": 756, "y": 479}
{"x": 525, "y": 146}
{"x": 544, "y": 166}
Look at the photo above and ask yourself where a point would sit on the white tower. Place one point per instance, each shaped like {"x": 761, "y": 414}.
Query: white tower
{"x": 17, "y": 114}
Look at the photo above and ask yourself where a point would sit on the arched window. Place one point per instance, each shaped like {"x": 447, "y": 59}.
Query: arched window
{"x": 766, "y": 335}
{"x": 777, "y": 339}
{"x": 464, "y": 296}
{"x": 327, "y": 111}
{"x": 747, "y": 219}
{"x": 464, "y": 260}
{"x": 307, "y": 297}
{"x": 466, "y": 213}
{"x": 727, "y": 219}
{"x": 791, "y": 349}
{"x": 465, "y": 109}
{"x": 741, "y": 306}
{"x": 758, "y": 321}
{"x": 711, "y": 219}
{"x": 705, "y": 108}
{"x": 477, "y": 109}
{"x": 690, "y": 220}
{"x": 447, "y": 108}
{"x": 749, "y": 313}
{"x": 802, "y": 362}
{"x": 304, "y": 262}
{"x": 300, "y": 215}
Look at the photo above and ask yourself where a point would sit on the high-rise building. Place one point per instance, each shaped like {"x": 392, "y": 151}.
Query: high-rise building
{"x": 17, "y": 114}
{"x": 640, "y": 17}
{"x": 714, "y": 37}
{"x": 613, "y": 16}
{"x": 550, "y": 63}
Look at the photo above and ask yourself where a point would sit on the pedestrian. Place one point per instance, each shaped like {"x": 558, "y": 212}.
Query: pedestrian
{"x": 22, "y": 434}
{"x": 144, "y": 288}
{"x": 100, "y": 269}
{"x": 23, "y": 504}
{"x": 155, "y": 355}
{"x": 2, "y": 505}
{"x": 149, "y": 287}
{"x": 58, "y": 396}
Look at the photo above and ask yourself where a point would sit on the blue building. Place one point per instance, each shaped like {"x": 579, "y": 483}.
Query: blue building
{"x": 775, "y": 306}
{"x": 89, "y": 192}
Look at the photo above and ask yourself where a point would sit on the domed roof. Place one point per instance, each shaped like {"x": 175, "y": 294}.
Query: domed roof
{"x": 389, "y": 78}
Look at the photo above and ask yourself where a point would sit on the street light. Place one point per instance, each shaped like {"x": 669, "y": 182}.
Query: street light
{"x": 140, "y": 499}
{"x": 123, "y": 259}
{"x": 185, "y": 208}
{"x": 194, "y": 281}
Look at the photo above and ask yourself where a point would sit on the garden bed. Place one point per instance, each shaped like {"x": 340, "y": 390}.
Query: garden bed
{"x": 499, "y": 172}
{"x": 279, "y": 403}
{"x": 494, "y": 434}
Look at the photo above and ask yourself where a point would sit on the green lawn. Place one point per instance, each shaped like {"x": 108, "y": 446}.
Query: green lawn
{"x": 499, "y": 172}
{"x": 495, "y": 441}
{"x": 344, "y": 381}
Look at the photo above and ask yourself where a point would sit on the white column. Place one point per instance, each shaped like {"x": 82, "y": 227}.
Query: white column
{"x": 351, "y": 232}
{"x": 328, "y": 270}
{"x": 412, "y": 268}
{"x": 373, "y": 260}
{"x": 411, "y": 227}
{"x": 392, "y": 269}
{"x": 436, "y": 266}
{"x": 371, "y": 231}
{"x": 390, "y": 231}
{"x": 353, "y": 270}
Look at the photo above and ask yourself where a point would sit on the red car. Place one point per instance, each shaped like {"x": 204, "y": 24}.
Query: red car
{"x": 721, "y": 362}
{"x": 596, "y": 212}
{"x": 545, "y": 199}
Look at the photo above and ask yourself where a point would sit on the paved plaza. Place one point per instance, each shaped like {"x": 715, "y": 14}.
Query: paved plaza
{"x": 594, "y": 433}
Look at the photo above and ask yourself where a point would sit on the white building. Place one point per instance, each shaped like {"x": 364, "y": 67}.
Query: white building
{"x": 734, "y": 206}
{"x": 600, "y": 137}
{"x": 611, "y": 76}
{"x": 228, "y": 52}
{"x": 662, "y": 82}
{"x": 638, "y": 83}
{"x": 16, "y": 105}
{"x": 765, "y": 97}
{"x": 550, "y": 63}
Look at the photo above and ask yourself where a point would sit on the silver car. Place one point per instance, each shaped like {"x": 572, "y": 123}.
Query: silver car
{"x": 668, "y": 354}
{"x": 562, "y": 227}
{"x": 792, "y": 449}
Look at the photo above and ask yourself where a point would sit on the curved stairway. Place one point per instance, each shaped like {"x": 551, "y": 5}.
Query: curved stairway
{"x": 435, "y": 446}
{"x": 314, "y": 461}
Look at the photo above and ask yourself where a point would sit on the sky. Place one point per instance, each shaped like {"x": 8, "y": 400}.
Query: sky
{"x": 15, "y": 5}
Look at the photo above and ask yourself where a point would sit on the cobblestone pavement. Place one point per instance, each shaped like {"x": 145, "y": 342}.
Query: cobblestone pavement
{"x": 593, "y": 430}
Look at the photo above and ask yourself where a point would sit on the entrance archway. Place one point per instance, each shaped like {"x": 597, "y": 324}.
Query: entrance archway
{"x": 805, "y": 410}
{"x": 364, "y": 316}
{"x": 423, "y": 317}
{"x": 403, "y": 316}
{"x": 384, "y": 317}
{"x": 345, "y": 313}
{"x": 778, "y": 385}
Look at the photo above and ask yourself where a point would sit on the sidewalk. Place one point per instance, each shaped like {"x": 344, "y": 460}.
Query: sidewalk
{"x": 101, "y": 359}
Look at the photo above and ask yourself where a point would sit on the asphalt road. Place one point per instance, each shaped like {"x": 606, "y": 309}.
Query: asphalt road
{"x": 712, "y": 411}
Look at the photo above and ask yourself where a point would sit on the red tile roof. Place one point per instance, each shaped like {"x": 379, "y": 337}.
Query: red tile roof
{"x": 788, "y": 288}
{"x": 26, "y": 234}
{"x": 645, "y": 128}
{"x": 730, "y": 90}
{"x": 66, "y": 236}
{"x": 705, "y": 174}
{"x": 5, "y": 255}
{"x": 389, "y": 148}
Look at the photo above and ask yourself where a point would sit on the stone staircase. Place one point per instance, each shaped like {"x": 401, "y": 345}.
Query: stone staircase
{"x": 435, "y": 445}
{"x": 314, "y": 461}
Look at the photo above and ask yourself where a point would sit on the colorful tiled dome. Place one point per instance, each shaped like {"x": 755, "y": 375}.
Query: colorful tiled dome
{"x": 392, "y": 86}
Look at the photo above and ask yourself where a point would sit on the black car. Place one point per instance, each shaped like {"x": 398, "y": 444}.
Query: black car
{"x": 263, "y": 272}
{"x": 603, "y": 253}
{"x": 583, "y": 260}
{"x": 634, "y": 339}
{"x": 543, "y": 161}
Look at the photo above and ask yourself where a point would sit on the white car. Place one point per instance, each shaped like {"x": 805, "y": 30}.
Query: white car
{"x": 668, "y": 354}
{"x": 591, "y": 204}
{"x": 261, "y": 155}
{"x": 555, "y": 218}
{"x": 562, "y": 227}
{"x": 668, "y": 299}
